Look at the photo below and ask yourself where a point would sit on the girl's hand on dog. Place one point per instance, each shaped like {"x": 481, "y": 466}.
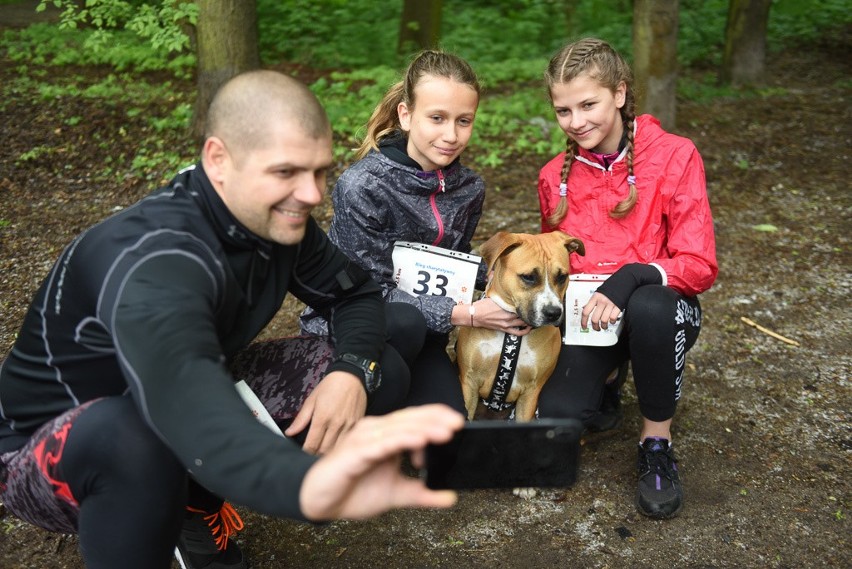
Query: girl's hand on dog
{"x": 600, "y": 312}
{"x": 487, "y": 314}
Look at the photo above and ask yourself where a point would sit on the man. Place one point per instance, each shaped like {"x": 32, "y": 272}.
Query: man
{"x": 118, "y": 384}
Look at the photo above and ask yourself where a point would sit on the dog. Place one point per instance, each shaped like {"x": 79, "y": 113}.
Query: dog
{"x": 528, "y": 275}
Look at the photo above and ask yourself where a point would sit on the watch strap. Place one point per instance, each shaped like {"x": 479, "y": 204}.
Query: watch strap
{"x": 368, "y": 371}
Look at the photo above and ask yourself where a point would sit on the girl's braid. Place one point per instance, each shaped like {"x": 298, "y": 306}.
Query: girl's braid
{"x": 628, "y": 117}
{"x": 562, "y": 207}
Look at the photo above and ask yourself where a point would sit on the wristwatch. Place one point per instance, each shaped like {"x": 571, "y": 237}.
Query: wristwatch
{"x": 372, "y": 374}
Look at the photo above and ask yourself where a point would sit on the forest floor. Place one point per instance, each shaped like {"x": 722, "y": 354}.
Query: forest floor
{"x": 762, "y": 431}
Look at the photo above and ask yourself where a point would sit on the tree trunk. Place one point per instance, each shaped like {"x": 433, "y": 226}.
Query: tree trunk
{"x": 744, "y": 60}
{"x": 420, "y": 25}
{"x": 655, "y": 25}
{"x": 226, "y": 45}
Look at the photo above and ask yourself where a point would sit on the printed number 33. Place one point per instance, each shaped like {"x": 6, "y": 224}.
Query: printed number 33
{"x": 438, "y": 288}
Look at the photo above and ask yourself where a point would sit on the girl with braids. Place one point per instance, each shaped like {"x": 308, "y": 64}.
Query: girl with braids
{"x": 409, "y": 185}
{"x": 636, "y": 196}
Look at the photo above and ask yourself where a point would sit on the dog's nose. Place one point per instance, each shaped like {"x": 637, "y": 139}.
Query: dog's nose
{"x": 553, "y": 313}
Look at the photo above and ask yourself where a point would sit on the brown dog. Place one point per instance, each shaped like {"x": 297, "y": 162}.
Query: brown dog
{"x": 528, "y": 276}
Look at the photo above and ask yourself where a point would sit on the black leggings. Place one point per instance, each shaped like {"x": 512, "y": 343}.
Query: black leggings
{"x": 434, "y": 377}
{"x": 660, "y": 326}
{"x": 100, "y": 471}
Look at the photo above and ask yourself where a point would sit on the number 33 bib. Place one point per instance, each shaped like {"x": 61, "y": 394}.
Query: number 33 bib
{"x": 426, "y": 269}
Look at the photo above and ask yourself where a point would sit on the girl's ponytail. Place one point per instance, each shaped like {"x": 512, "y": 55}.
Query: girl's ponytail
{"x": 383, "y": 121}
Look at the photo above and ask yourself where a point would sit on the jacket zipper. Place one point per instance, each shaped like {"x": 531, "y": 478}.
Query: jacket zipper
{"x": 442, "y": 187}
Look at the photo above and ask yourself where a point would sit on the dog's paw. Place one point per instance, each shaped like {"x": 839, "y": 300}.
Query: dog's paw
{"x": 525, "y": 493}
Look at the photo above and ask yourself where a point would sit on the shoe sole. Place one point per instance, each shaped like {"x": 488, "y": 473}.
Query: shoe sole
{"x": 657, "y": 515}
{"x": 180, "y": 560}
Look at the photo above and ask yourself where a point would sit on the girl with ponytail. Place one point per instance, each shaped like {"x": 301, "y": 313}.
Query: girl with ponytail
{"x": 409, "y": 185}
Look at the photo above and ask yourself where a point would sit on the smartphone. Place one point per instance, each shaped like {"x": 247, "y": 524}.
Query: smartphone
{"x": 505, "y": 454}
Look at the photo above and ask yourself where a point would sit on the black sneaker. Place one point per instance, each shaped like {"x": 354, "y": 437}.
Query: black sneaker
{"x": 659, "y": 494}
{"x": 205, "y": 543}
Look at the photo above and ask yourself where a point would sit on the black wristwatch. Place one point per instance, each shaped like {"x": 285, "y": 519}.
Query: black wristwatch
{"x": 372, "y": 374}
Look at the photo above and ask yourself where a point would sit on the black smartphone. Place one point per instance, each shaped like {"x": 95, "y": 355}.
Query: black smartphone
{"x": 505, "y": 454}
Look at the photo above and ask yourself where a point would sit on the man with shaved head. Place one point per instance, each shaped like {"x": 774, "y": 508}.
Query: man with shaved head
{"x": 119, "y": 419}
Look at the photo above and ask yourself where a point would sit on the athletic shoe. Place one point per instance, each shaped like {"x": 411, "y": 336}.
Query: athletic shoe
{"x": 660, "y": 494}
{"x": 205, "y": 543}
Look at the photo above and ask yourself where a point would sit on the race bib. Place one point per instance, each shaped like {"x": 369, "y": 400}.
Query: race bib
{"x": 426, "y": 269}
{"x": 581, "y": 287}
{"x": 257, "y": 408}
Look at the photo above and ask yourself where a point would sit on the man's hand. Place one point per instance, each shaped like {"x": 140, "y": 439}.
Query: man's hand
{"x": 361, "y": 476}
{"x": 332, "y": 408}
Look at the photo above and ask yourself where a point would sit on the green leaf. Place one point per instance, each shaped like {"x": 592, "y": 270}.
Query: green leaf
{"x": 765, "y": 227}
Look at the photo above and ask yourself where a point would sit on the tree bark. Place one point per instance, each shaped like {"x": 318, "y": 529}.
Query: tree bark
{"x": 226, "y": 45}
{"x": 744, "y": 60}
{"x": 655, "y": 25}
{"x": 419, "y": 26}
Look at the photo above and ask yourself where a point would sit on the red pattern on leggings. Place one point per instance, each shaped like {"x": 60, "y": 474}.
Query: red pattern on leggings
{"x": 31, "y": 486}
{"x": 47, "y": 454}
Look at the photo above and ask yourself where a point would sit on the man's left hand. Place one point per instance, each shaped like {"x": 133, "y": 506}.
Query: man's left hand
{"x": 332, "y": 408}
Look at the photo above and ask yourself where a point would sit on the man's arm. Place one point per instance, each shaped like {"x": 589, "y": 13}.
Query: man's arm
{"x": 166, "y": 341}
{"x": 330, "y": 282}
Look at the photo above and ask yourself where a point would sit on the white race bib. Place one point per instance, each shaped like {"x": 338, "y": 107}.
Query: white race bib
{"x": 257, "y": 408}
{"x": 581, "y": 287}
{"x": 426, "y": 269}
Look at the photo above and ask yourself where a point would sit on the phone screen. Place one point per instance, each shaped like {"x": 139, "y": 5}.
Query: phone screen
{"x": 503, "y": 454}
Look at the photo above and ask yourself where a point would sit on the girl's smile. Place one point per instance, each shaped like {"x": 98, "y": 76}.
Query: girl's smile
{"x": 589, "y": 113}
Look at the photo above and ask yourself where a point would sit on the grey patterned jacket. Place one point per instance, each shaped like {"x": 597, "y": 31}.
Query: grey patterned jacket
{"x": 378, "y": 201}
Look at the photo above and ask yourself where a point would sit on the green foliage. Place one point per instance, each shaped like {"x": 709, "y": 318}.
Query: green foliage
{"x": 46, "y": 44}
{"x": 329, "y": 33}
{"x": 508, "y": 42}
{"x": 35, "y": 153}
{"x": 806, "y": 20}
{"x": 161, "y": 23}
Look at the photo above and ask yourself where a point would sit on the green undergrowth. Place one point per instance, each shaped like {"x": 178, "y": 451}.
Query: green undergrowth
{"x": 508, "y": 43}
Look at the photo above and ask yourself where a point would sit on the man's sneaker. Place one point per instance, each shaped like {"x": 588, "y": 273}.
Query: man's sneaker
{"x": 659, "y": 494}
{"x": 205, "y": 543}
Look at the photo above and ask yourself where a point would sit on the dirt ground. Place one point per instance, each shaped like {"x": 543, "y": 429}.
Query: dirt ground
{"x": 762, "y": 430}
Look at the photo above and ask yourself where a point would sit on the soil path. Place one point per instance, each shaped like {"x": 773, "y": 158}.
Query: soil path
{"x": 762, "y": 431}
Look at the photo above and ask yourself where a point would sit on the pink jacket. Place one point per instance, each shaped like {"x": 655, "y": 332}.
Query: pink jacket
{"x": 671, "y": 225}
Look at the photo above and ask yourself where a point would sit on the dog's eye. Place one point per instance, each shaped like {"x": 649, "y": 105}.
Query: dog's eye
{"x": 561, "y": 278}
{"x": 529, "y": 279}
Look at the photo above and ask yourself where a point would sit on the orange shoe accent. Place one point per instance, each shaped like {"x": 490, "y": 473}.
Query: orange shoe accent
{"x": 223, "y": 524}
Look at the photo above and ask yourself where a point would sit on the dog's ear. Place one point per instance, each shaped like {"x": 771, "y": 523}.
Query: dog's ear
{"x": 500, "y": 243}
{"x": 573, "y": 244}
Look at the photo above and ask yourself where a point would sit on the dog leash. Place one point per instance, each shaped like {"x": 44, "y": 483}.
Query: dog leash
{"x": 496, "y": 400}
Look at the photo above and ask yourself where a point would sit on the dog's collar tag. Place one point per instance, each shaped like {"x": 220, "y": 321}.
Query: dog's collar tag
{"x": 505, "y": 372}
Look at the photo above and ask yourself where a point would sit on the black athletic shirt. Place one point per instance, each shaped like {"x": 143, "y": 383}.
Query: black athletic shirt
{"x": 156, "y": 300}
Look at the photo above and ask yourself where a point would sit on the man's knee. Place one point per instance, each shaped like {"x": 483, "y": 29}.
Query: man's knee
{"x": 111, "y": 444}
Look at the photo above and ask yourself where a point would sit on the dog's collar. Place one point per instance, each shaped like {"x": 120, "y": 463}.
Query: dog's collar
{"x": 496, "y": 400}
{"x": 496, "y": 298}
